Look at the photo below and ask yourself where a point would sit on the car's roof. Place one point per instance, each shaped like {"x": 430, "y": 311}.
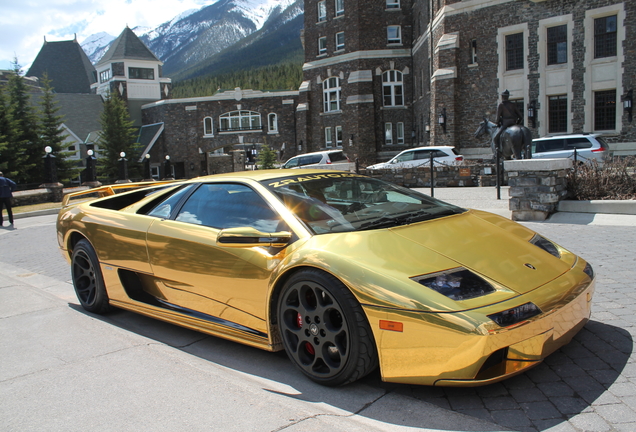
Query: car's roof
{"x": 579, "y": 135}
{"x": 319, "y": 152}
{"x": 262, "y": 175}
{"x": 430, "y": 148}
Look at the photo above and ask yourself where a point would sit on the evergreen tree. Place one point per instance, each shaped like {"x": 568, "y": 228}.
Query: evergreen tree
{"x": 117, "y": 135}
{"x": 24, "y": 149}
{"x": 266, "y": 158}
{"x": 6, "y": 133}
{"x": 52, "y": 135}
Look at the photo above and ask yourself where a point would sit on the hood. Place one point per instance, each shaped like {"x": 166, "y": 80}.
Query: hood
{"x": 378, "y": 264}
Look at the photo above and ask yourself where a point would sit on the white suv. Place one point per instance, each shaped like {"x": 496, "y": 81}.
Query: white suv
{"x": 310, "y": 160}
{"x": 588, "y": 147}
{"x": 421, "y": 156}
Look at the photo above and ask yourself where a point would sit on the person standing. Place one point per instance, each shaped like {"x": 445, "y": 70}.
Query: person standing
{"x": 7, "y": 186}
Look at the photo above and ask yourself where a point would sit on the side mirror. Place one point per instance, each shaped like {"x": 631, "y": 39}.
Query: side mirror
{"x": 247, "y": 237}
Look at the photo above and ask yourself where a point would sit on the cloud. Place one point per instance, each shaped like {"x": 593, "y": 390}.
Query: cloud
{"x": 25, "y": 23}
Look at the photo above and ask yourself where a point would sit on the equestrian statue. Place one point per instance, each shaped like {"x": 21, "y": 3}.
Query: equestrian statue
{"x": 513, "y": 140}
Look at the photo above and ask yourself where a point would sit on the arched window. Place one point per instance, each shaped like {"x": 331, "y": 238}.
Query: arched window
{"x": 272, "y": 122}
{"x": 331, "y": 94}
{"x": 392, "y": 88}
{"x": 240, "y": 121}
{"x": 208, "y": 127}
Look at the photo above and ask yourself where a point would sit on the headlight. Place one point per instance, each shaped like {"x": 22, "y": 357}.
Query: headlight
{"x": 456, "y": 284}
{"x": 588, "y": 270}
{"x": 546, "y": 245}
{"x": 515, "y": 315}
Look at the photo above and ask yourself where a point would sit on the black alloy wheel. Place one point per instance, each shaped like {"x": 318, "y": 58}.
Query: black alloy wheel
{"x": 87, "y": 278}
{"x": 324, "y": 330}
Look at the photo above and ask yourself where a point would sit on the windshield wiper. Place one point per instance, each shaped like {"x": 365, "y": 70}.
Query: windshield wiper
{"x": 405, "y": 219}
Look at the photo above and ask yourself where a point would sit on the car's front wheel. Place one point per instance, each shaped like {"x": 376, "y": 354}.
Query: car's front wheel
{"x": 324, "y": 330}
{"x": 87, "y": 278}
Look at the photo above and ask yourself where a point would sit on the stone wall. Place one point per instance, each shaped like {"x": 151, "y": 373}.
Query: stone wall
{"x": 536, "y": 187}
{"x": 444, "y": 176}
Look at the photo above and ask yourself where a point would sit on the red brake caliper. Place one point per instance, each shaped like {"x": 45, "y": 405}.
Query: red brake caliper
{"x": 309, "y": 347}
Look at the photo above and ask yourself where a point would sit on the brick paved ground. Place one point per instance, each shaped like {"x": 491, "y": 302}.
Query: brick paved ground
{"x": 589, "y": 385}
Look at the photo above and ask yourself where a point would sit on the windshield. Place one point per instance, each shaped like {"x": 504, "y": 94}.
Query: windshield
{"x": 343, "y": 202}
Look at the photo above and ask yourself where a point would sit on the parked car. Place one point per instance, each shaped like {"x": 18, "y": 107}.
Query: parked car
{"x": 317, "y": 158}
{"x": 344, "y": 272}
{"x": 588, "y": 147}
{"x": 421, "y": 156}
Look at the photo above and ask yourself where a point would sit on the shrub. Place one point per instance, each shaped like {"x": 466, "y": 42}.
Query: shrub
{"x": 615, "y": 180}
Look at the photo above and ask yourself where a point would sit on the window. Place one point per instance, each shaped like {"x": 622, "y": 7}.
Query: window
{"x": 400, "y": 133}
{"x": 392, "y": 4}
{"x": 340, "y": 41}
{"x": 328, "y": 137}
{"x": 228, "y": 205}
{"x": 605, "y": 110}
{"x": 392, "y": 91}
{"x": 558, "y": 44}
{"x": 331, "y": 94}
{"x": 388, "y": 133}
{"x": 240, "y": 121}
{"x": 322, "y": 45}
{"x": 339, "y": 7}
{"x": 557, "y": 113}
{"x": 520, "y": 106}
{"x": 605, "y": 37}
{"x": 272, "y": 122}
{"x": 322, "y": 11}
{"x": 338, "y": 136}
{"x": 514, "y": 51}
{"x": 208, "y": 127}
{"x": 141, "y": 73}
{"x": 393, "y": 35}
{"x": 104, "y": 76}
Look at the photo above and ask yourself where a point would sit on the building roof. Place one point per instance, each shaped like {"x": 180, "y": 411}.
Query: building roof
{"x": 82, "y": 112}
{"x": 127, "y": 46}
{"x": 148, "y": 135}
{"x": 67, "y": 66}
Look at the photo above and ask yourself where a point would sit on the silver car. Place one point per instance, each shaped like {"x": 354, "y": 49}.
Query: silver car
{"x": 588, "y": 147}
{"x": 421, "y": 156}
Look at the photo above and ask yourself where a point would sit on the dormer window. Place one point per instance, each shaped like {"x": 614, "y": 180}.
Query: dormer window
{"x": 104, "y": 76}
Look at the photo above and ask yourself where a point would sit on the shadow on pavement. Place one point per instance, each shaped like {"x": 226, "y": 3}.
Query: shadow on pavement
{"x": 564, "y": 385}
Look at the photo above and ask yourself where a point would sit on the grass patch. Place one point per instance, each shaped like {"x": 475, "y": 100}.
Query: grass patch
{"x": 35, "y": 207}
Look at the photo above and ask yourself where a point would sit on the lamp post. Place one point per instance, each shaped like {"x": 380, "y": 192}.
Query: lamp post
{"x": 123, "y": 168}
{"x": 167, "y": 168}
{"x": 50, "y": 173}
{"x": 147, "y": 173}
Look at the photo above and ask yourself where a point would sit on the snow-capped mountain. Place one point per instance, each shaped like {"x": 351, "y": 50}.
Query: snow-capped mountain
{"x": 196, "y": 35}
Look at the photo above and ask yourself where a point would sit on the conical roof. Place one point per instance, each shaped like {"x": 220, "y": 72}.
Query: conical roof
{"x": 127, "y": 46}
{"x": 67, "y": 66}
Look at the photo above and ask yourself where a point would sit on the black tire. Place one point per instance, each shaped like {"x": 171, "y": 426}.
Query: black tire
{"x": 324, "y": 330}
{"x": 87, "y": 278}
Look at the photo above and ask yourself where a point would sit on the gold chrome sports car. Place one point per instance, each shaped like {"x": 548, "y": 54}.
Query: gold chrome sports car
{"x": 344, "y": 272}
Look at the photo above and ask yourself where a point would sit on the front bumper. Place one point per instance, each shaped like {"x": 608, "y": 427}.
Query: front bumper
{"x": 466, "y": 349}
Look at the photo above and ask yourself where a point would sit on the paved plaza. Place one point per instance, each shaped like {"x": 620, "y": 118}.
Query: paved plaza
{"x": 64, "y": 369}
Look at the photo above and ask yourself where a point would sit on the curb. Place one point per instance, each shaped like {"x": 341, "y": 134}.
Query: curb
{"x": 36, "y": 213}
{"x": 626, "y": 207}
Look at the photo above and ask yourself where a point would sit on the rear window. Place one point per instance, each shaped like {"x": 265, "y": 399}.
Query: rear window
{"x": 308, "y": 160}
{"x": 338, "y": 157}
{"x": 578, "y": 143}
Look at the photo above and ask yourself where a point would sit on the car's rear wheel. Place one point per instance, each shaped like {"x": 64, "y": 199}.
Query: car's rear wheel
{"x": 324, "y": 330}
{"x": 87, "y": 278}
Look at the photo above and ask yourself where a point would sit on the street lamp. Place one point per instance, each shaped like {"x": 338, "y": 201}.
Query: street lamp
{"x": 167, "y": 168}
{"x": 532, "y": 112}
{"x": 123, "y": 168}
{"x": 147, "y": 174}
{"x": 50, "y": 174}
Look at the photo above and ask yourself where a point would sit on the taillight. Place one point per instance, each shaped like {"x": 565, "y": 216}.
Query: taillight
{"x": 459, "y": 158}
{"x": 328, "y": 160}
{"x": 598, "y": 150}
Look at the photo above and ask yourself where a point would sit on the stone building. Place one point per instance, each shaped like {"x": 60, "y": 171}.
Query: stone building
{"x": 194, "y": 132}
{"x": 384, "y": 75}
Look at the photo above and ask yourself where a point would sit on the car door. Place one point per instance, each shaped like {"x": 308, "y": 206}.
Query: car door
{"x": 195, "y": 273}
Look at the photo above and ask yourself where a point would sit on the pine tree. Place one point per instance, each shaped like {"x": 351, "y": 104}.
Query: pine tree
{"x": 24, "y": 150}
{"x": 117, "y": 135}
{"x": 52, "y": 135}
{"x": 6, "y": 133}
{"x": 266, "y": 158}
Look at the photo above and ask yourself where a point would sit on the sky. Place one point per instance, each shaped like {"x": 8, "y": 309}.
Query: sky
{"x": 25, "y": 23}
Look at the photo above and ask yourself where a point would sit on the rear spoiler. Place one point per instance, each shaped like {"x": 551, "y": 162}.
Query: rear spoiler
{"x": 104, "y": 191}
